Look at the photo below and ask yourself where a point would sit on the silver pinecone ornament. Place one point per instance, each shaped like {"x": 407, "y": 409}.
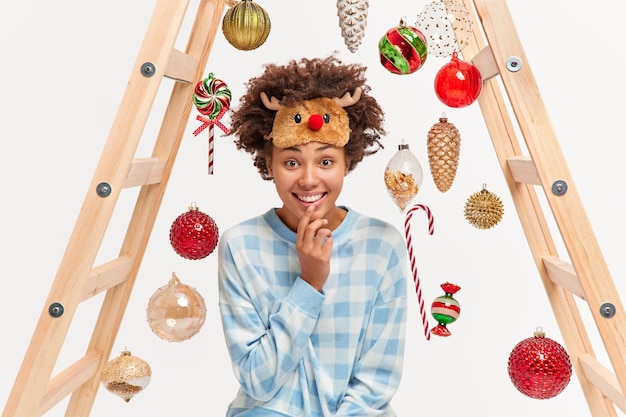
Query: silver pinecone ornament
{"x": 352, "y": 21}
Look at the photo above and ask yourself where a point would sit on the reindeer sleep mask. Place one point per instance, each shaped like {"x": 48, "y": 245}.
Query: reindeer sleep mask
{"x": 320, "y": 119}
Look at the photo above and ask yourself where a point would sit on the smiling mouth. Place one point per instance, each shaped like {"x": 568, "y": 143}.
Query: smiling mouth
{"x": 310, "y": 198}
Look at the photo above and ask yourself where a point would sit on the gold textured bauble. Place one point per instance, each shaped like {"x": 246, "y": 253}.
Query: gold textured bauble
{"x": 484, "y": 209}
{"x": 246, "y": 25}
{"x": 444, "y": 146}
{"x": 126, "y": 375}
{"x": 176, "y": 311}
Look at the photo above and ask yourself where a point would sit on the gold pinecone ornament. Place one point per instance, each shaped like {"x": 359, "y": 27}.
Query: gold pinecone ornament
{"x": 444, "y": 147}
{"x": 484, "y": 209}
{"x": 352, "y": 21}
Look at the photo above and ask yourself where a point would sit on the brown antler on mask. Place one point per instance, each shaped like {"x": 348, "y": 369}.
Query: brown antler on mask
{"x": 317, "y": 120}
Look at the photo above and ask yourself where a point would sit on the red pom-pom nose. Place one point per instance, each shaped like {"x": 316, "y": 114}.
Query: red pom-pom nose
{"x": 316, "y": 122}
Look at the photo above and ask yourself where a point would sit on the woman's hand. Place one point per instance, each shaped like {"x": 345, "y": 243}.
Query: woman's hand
{"x": 314, "y": 244}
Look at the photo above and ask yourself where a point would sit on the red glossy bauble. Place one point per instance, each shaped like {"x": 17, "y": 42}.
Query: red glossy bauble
{"x": 539, "y": 367}
{"x": 458, "y": 83}
{"x": 194, "y": 234}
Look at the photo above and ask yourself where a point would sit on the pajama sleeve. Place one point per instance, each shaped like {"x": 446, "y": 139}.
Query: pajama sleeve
{"x": 264, "y": 350}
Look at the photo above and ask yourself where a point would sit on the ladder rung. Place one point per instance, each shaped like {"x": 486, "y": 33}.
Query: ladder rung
{"x": 524, "y": 170}
{"x": 562, "y": 273}
{"x": 144, "y": 171}
{"x": 486, "y": 64}
{"x": 107, "y": 276}
{"x": 181, "y": 67}
{"x": 69, "y": 380}
{"x": 603, "y": 379}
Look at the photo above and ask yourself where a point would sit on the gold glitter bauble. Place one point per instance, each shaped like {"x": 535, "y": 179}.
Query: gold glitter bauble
{"x": 484, "y": 209}
{"x": 246, "y": 25}
{"x": 444, "y": 147}
{"x": 126, "y": 375}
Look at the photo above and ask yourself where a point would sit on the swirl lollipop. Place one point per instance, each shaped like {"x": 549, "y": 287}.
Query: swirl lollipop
{"x": 212, "y": 98}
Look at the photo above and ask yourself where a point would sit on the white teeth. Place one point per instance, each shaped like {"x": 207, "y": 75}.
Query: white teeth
{"x": 310, "y": 198}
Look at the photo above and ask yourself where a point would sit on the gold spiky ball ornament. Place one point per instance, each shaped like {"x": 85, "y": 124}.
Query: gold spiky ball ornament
{"x": 444, "y": 147}
{"x": 484, "y": 209}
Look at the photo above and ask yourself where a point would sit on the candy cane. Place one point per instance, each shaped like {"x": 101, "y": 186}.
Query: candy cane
{"x": 409, "y": 246}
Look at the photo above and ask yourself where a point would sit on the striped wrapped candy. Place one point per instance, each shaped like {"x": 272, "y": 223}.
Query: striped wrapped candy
{"x": 445, "y": 309}
{"x": 403, "y": 49}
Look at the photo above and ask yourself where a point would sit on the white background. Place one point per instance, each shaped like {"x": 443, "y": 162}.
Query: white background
{"x": 64, "y": 69}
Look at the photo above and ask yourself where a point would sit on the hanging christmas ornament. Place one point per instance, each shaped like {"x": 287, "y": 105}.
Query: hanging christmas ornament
{"x": 246, "y": 25}
{"x": 194, "y": 234}
{"x": 445, "y": 309}
{"x": 539, "y": 367}
{"x": 458, "y": 83}
{"x": 403, "y": 176}
{"x": 447, "y": 26}
{"x": 176, "y": 311}
{"x": 403, "y": 49}
{"x": 352, "y": 21}
{"x": 212, "y": 98}
{"x": 484, "y": 209}
{"x": 444, "y": 147}
{"x": 126, "y": 375}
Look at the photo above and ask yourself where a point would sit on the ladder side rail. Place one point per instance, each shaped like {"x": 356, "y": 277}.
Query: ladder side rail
{"x": 168, "y": 142}
{"x": 532, "y": 219}
{"x": 567, "y": 208}
{"x": 95, "y": 214}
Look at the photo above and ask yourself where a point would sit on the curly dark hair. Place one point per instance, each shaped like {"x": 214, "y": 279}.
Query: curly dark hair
{"x": 305, "y": 80}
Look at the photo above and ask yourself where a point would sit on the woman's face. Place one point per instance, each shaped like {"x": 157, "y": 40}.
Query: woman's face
{"x": 309, "y": 174}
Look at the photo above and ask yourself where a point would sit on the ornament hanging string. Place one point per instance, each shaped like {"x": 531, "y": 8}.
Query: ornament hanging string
{"x": 409, "y": 246}
{"x": 210, "y": 123}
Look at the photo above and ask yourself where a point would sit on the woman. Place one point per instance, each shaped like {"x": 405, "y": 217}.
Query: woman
{"x": 312, "y": 294}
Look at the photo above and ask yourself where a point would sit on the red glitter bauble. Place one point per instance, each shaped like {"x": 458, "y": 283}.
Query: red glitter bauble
{"x": 539, "y": 367}
{"x": 194, "y": 234}
{"x": 458, "y": 83}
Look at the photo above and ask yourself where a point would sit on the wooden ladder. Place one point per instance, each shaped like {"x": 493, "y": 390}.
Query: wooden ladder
{"x": 586, "y": 274}
{"x": 35, "y": 391}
